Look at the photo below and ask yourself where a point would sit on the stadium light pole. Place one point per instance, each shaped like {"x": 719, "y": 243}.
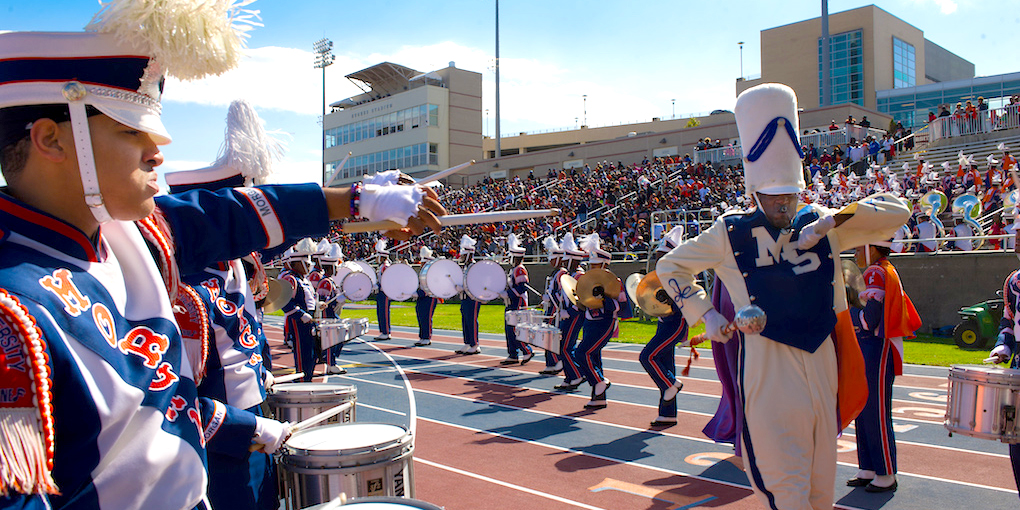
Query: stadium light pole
{"x": 499, "y": 150}
{"x": 674, "y": 108}
{"x": 741, "y": 44}
{"x": 323, "y": 58}
{"x": 585, "y": 97}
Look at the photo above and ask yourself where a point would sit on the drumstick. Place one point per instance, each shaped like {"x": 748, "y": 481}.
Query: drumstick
{"x": 288, "y": 378}
{"x": 336, "y": 173}
{"x": 445, "y": 173}
{"x": 451, "y": 220}
{"x": 329, "y": 413}
{"x": 993, "y": 359}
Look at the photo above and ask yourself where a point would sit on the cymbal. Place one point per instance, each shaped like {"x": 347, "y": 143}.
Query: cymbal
{"x": 854, "y": 282}
{"x": 279, "y": 295}
{"x": 597, "y": 278}
{"x": 645, "y": 296}
{"x": 631, "y": 285}
{"x": 569, "y": 285}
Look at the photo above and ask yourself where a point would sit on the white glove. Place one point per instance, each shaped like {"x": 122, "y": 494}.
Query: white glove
{"x": 270, "y": 433}
{"x": 387, "y": 178}
{"x": 305, "y": 318}
{"x": 1000, "y": 351}
{"x": 394, "y": 203}
{"x": 270, "y": 380}
{"x": 714, "y": 324}
{"x": 815, "y": 231}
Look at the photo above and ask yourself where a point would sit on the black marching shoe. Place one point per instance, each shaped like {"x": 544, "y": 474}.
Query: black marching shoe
{"x": 527, "y": 357}
{"x": 874, "y": 488}
{"x": 568, "y": 386}
{"x": 598, "y": 401}
{"x": 858, "y": 482}
{"x": 509, "y": 361}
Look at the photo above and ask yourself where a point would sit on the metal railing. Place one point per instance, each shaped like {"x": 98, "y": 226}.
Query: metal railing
{"x": 987, "y": 121}
{"x": 821, "y": 139}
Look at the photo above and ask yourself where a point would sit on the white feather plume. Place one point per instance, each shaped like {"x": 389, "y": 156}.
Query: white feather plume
{"x": 189, "y": 38}
{"x": 550, "y": 244}
{"x": 247, "y": 147}
{"x": 590, "y": 243}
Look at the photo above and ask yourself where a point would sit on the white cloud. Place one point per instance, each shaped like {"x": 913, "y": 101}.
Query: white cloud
{"x": 945, "y": 6}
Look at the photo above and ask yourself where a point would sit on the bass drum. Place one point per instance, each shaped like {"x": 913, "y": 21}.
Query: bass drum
{"x": 440, "y": 278}
{"x": 399, "y": 282}
{"x": 484, "y": 280}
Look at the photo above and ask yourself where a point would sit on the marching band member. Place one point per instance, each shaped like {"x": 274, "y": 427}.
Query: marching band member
{"x": 469, "y": 308}
{"x": 887, "y": 318}
{"x": 92, "y": 261}
{"x": 382, "y": 301}
{"x": 316, "y": 270}
{"x": 1006, "y": 345}
{"x": 571, "y": 317}
{"x": 298, "y": 310}
{"x": 784, "y": 260}
{"x": 331, "y": 301}
{"x": 553, "y": 363}
{"x": 658, "y": 357}
{"x": 516, "y": 298}
{"x": 232, "y": 370}
{"x": 599, "y": 326}
{"x": 425, "y": 305}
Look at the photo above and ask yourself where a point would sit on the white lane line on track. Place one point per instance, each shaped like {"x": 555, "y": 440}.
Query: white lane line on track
{"x": 506, "y": 484}
{"x": 631, "y": 463}
{"x": 649, "y": 406}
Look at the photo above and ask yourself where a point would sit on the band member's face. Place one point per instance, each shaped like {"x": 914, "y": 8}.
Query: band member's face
{"x": 861, "y": 256}
{"x": 779, "y": 209}
{"x": 299, "y": 266}
{"x": 126, "y": 159}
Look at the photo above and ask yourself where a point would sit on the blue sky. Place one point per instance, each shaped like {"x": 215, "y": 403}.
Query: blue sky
{"x": 630, "y": 58}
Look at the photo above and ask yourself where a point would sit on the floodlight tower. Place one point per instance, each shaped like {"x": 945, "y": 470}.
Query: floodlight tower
{"x": 324, "y": 57}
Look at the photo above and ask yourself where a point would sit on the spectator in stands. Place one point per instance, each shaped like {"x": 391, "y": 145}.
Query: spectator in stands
{"x": 945, "y": 111}
{"x": 931, "y": 116}
{"x": 833, "y": 126}
{"x": 865, "y": 123}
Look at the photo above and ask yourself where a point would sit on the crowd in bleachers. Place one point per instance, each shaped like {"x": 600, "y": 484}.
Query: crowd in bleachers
{"x": 618, "y": 200}
{"x": 613, "y": 199}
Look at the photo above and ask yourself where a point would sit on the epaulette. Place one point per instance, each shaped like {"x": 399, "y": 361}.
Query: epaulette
{"x": 26, "y": 405}
{"x": 193, "y": 319}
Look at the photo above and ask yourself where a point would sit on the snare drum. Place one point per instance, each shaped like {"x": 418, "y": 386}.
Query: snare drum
{"x": 332, "y": 332}
{"x": 356, "y": 327}
{"x": 983, "y": 402}
{"x": 295, "y": 402}
{"x": 484, "y": 280}
{"x": 357, "y": 459}
{"x": 440, "y": 278}
{"x": 399, "y": 282}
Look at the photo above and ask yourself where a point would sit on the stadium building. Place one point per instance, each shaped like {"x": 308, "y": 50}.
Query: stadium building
{"x": 418, "y": 122}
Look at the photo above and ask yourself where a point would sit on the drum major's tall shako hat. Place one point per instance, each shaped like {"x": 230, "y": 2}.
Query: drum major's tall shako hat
{"x": 513, "y": 246}
{"x": 467, "y": 245}
{"x": 767, "y": 122}
{"x": 116, "y": 68}
{"x": 246, "y": 157}
{"x": 570, "y": 249}
{"x": 671, "y": 239}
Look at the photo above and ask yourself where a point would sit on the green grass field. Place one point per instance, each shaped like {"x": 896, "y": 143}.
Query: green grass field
{"x": 924, "y": 350}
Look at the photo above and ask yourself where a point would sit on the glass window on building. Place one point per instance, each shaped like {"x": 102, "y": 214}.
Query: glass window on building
{"x": 904, "y": 72}
{"x": 846, "y": 68}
